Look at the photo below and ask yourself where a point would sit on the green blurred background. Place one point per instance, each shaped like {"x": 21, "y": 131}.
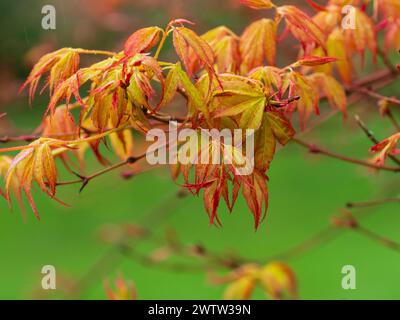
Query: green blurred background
{"x": 305, "y": 190}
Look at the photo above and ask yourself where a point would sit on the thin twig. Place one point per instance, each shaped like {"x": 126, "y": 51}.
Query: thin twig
{"x": 385, "y": 59}
{"x": 376, "y": 95}
{"x": 317, "y": 150}
{"x": 370, "y": 135}
{"x": 86, "y": 179}
{"x": 319, "y": 238}
{"x": 392, "y": 119}
{"x": 372, "y": 203}
{"x": 389, "y": 243}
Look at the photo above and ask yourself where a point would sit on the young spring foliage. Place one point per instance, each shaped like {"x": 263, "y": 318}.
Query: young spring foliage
{"x": 227, "y": 80}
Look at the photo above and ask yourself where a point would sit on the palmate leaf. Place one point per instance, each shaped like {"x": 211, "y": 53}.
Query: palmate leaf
{"x": 337, "y": 48}
{"x": 392, "y": 38}
{"x": 302, "y": 27}
{"x": 34, "y": 163}
{"x": 241, "y": 98}
{"x": 5, "y": 162}
{"x": 313, "y": 61}
{"x": 122, "y": 143}
{"x": 389, "y": 8}
{"x": 276, "y": 279}
{"x": 216, "y": 179}
{"x": 274, "y": 128}
{"x": 281, "y": 126}
{"x": 189, "y": 46}
{"x": 60, "y": 64}
{"x": 332, "y": 89}
{"x": 142, "y": 40}
{"x": 258, "y": 44}
{"x": 329, "y": 18}
{"x": 271, "y": 78}
{"x": 258, "y": 4}
{"x": 363, "y": 35}
{"x": 225, "y": 44}
{"x": 195, "y": 98}
{"x": 385, "y": 148}
{"x": 298, "y": 85}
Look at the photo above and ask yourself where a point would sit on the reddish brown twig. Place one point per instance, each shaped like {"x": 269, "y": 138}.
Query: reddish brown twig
{"x": 318, "y": 150}
{"x": 84, "y": 180}
{"x": 370, "y": 135}
{"x": 372, "y": 203}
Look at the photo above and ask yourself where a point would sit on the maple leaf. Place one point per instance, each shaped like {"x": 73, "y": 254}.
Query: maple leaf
{"x": 389, "y": 8}
{"x": 385, "y": 148}
{"x": 61, "y": 125}
{"x": 274, "y": 128}
{"x": 271, "y": 78}
{"x": 122, "y": 143}
{"x": 61, "y": 64}
{"x": 329, "y": 18}
{"x": 70, "y": 86}
{"x": 34, "y": 163}
{"x": 302, "y": 26}
{"x": 243, "y": 98}
{"x": 196, "y": 100}
{"x": 142, "y": 40}
{"x": 337, "y": 48}
{"x": 124, "y": 290}
{"x": 299, "y": 85}
{"x": 257, "y": 44}
{"x": 332, "y": 89}
{"x": 276, "y": 279}
{"x": 240, "y": 289}
{"x": 255, "y": 192}
{"x": 5, "y": 163}
{"x": 225, "y": 44}
{"x": 392, "y": 38}
{"x": 313, "y": 61}
{"x": 258, "y": 4}
{"x": 363, "y": 35}
{"x": 189, "y": 46}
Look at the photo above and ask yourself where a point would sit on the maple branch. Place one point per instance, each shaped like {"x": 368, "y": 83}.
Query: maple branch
{"x": 319, "y": 238}
{"x": 372, "y": 203}
{"x": 387, "y": 242}
{"x": 22, "y": 138}
{"x": 378, "y": 96}
{"x": 370, "y": 135}
{"x": 385, "y": 59}
{"x": 393, "y": 119}
{"x": 379, "y": 79}
{"x": 86, "y": 179}
{"x": 130, "y": 253}
{"x": 317, "y": 150}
